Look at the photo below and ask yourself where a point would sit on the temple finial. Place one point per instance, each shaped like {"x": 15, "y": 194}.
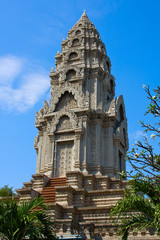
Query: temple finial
{"x": 84, "y": 13}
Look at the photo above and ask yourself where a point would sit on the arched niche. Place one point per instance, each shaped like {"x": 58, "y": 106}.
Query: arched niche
{"x": 68, "y": 87}
{"x": 66, "y": 101}
{"x": 121, "y": 113}
{"x": 73, "y": 55}
{"x": 108, "y": 66}
{"x": 71, "y": 74}
{"x": 124, "y": 136}
{"x": 111, "y": 86}
{"x": 78, "y": 32}
{"x": 75, "y": 42}
{"x": 120, "y": 109}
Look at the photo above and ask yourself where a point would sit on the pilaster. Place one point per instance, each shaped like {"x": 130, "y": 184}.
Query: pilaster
{"x": 78, "y": 134}
{"x": 51, "y": 151}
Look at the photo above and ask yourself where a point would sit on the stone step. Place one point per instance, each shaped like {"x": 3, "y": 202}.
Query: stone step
{"x": 49, "y": 198}
{"x": 49, "y": 189}
{"x": 55, "y": 184}
{"x": 46, "y": 193}
{"x": 49, "y": 192}
{"x": 57, "y": 179}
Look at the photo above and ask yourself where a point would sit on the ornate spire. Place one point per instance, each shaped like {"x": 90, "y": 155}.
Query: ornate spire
{"x": 84, "y": 15}
{"x": 84, "y": 20}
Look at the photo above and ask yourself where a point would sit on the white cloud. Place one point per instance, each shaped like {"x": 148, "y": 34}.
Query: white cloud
{"x": 10, "y": 67}
{"x": 33, "y": 83}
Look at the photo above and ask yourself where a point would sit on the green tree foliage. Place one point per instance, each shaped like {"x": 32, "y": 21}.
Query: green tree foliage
{"x": 138, "y": 211}
{"x": 140, "y": 207}
{"x": 28, "y": 219}
{"x": 6, "y": 191}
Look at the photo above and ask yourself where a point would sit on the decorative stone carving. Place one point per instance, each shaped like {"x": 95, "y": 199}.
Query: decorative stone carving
{"x": 37, "y": 118}
{"x": 58, "y": 92}
{"x": 49, "y": 128}
{"x": 66, "y": 102}
{"x": 42, "y": 112}
{"x": 64, "y": 123}
{"x": 36, "y": 140}
{"x": 72, "y": 116}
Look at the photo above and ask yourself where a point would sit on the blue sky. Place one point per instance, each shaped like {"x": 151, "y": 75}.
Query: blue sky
{"x": 31, "y": 34}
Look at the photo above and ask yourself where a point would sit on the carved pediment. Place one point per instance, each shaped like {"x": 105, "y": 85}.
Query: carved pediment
{"x": 66, "y": 101}
{"x": 64, "y": 124}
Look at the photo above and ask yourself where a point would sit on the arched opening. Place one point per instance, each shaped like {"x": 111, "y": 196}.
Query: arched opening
{"x": 111, "y": 85}
{"x": 71, "y": 74}
{"x": 78, "y": 32}
{"x": 80, "y": 25}
{"x": 121, "y": 113}
{"x": 73, "y": 55}
{"x": 120, "y": 161}
{"x": 108, "y": 66}
{"x": 67, "y": 100}
{"x": 124, "y": 136}
{"x": 75, "y": 42}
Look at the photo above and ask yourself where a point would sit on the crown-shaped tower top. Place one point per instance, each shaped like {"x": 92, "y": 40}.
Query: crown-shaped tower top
{"x": 84, "y": 20}
{"x": 82, "y": 51}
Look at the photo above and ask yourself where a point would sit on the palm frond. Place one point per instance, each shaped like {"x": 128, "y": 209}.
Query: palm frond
{"x": 135, "y": 221}
{"x": 27, "y": 219}
{"x": 132, "y": 202}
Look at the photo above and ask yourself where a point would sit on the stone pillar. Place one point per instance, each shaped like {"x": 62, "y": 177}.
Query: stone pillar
{"x": 51, "y": 147}
{"x": 98, "y": 146}
{"x": 78, "y": 134}
{"x": 43, "y": 146}
{"x": 85, "y": 145}
{"x": 47, "y": 148}
{"x": 39, "y": 156}
{"x": 55, "y": 160}
{"x": 116, "y": 156}
{"x": 77, "y": 157}
{"x": 110, "y": 150}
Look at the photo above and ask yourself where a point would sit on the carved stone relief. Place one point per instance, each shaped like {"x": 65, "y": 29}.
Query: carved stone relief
{"x": 66, "y": 101}
{"x": 72, "y": 116}
{"x": 66, "y": 87}
{"x": 41, "y": 113}
{"x": 64, "y": 123}
{"x": 65, "y": 158}
{"x": 65, "y": 136}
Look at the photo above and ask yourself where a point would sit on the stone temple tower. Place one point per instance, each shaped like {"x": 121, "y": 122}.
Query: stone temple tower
{"x": 82, "y": 139}
{"x": 84, "y": 128}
